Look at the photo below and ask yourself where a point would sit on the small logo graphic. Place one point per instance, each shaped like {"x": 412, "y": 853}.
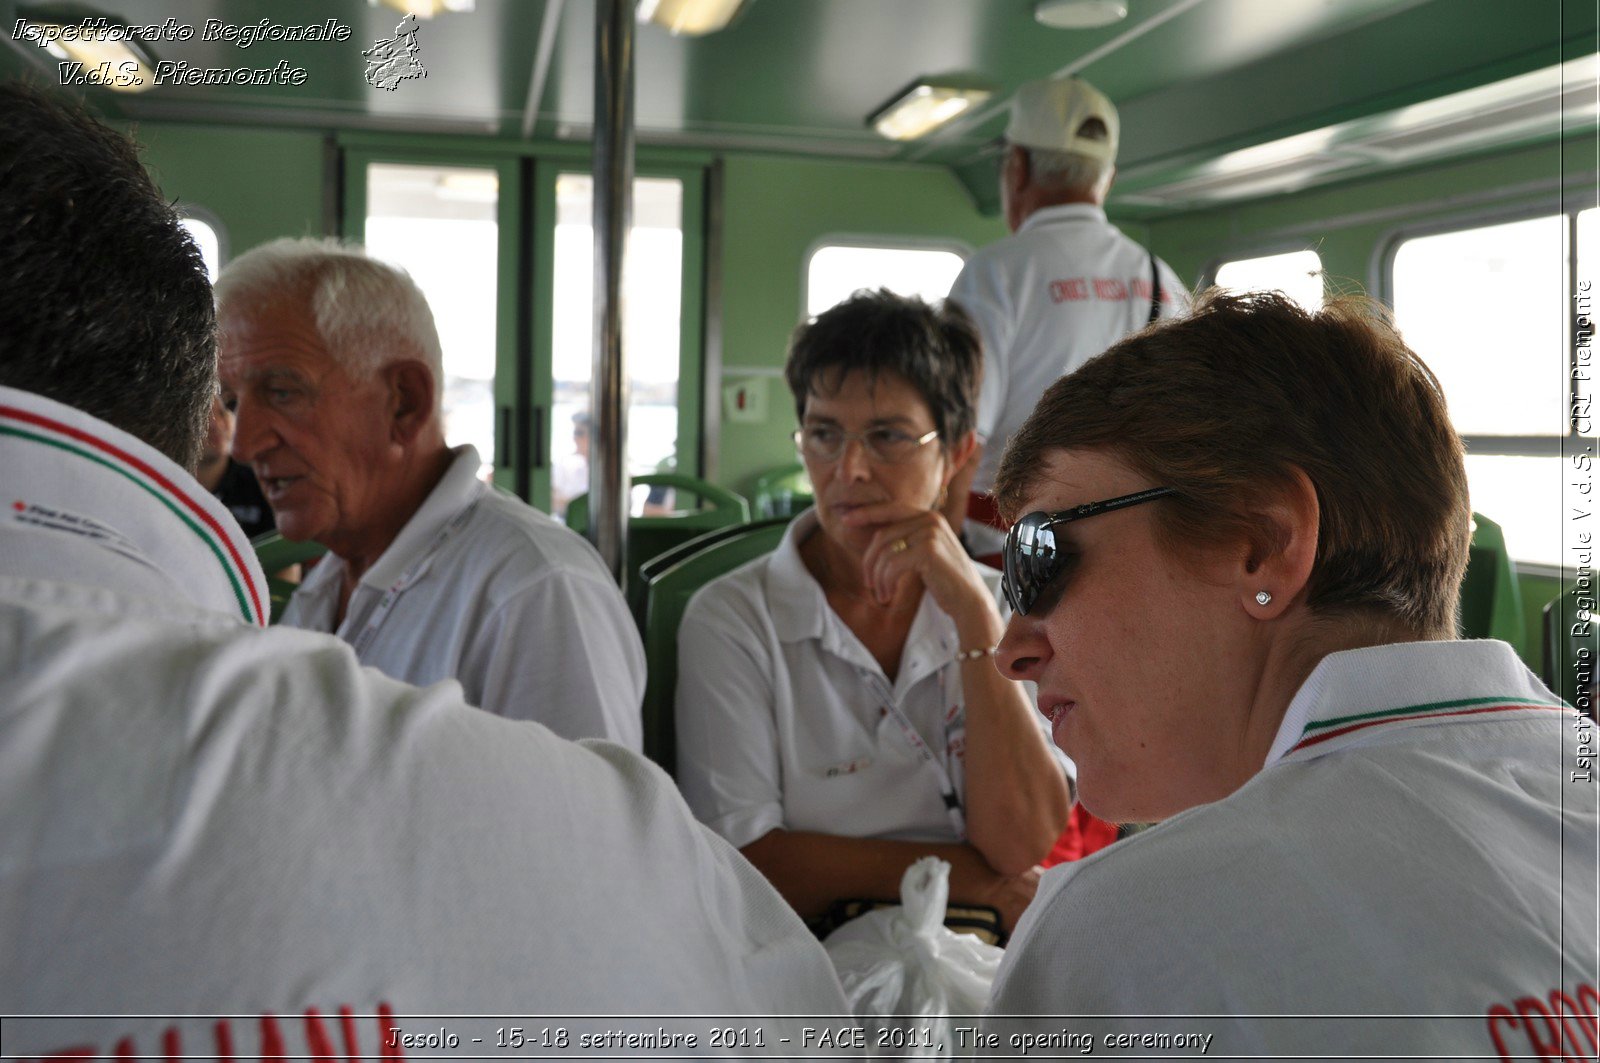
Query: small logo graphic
{"x": 394, "y": 60}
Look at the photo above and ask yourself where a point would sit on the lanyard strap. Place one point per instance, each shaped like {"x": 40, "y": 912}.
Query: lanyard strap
{"x": 947, "y": 788}
{"x": 386, "y": 604}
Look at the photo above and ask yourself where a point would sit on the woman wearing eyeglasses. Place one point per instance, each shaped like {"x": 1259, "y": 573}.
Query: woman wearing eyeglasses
{"x": 1237, "y": 549}
{"x": 839, "y": 713}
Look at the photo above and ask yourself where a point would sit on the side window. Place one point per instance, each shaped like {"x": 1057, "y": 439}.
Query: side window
{"x": 205, "y": 236}
{"x": 652, "y": 291}
{"x": 1297, "y": 274}
{"x": 440, "y": 224}
{"x": 1487, "y": 309}
{"x": 834, "y": 271}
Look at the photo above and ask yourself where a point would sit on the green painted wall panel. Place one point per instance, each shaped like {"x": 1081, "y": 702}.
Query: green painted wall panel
{"x": 261, "y": 183}
{"x": 774, "y": 210}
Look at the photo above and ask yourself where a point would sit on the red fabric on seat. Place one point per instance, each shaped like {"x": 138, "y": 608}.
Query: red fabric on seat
{"x": 1086, "y": 833}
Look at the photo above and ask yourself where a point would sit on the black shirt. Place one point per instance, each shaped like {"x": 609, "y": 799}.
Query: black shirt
{"x": 240, "y": 492}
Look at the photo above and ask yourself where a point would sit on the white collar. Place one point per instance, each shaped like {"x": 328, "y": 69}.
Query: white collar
{"x": 1064, "y": 212}
{"x": 72, "y": 474}
{"x": 795, "y": 597}
{"x": 1363, "y": 695}
{"x": 454, "y": 492}
{"x": 457, "y": 489}
{"x": 800, "y": 611}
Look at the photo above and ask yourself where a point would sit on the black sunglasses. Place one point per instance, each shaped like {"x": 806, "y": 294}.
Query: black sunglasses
{"x": 1032, "y": 557}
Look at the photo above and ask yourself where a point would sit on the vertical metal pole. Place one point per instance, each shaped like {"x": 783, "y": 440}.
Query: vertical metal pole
{"x": 613, "y": 216}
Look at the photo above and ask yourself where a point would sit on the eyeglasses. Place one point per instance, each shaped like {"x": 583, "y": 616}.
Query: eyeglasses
{"x": 888, "y": 446}
{"x": 1033, "y": 559}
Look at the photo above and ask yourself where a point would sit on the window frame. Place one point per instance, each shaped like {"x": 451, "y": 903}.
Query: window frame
{"x": 872, "y": 242}
{"x": 1551, "y": 446}
{"x": 1389, "y": 247}
{"x": 1213, "y": 266}
{"x": 693, "y": 443}
{"x": 523, "y": 385}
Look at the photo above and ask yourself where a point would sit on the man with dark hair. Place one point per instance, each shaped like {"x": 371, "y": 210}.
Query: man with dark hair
{"x": 1065, "y": 285}
{"x": 201, "y": 818}
{"x": 82, "y": 295}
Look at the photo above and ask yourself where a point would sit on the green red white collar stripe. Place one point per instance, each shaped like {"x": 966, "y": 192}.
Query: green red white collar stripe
{"x": 1320, "y": 731}
{"x": 207, "y": 529}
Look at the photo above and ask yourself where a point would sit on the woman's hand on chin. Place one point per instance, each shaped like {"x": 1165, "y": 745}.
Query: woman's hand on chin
{"x": 911, "y": 543}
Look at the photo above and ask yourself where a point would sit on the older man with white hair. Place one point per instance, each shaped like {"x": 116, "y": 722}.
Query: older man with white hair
{"x": 332, "y": 364}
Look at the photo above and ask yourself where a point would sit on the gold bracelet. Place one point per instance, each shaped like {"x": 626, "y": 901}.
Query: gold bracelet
{"x": 978, "y": 654}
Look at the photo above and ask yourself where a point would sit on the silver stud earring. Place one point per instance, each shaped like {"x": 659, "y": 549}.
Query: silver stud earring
{"x": 1263, "y": 597}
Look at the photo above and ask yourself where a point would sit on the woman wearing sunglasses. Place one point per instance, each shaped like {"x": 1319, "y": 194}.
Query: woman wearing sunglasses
{"x": 1237, "y": 547}
{"x": 839, "y": 713}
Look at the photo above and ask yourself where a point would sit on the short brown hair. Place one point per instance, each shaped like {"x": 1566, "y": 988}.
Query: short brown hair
{"x": 1220, "y": 405}
{"x": 935, "y": 349}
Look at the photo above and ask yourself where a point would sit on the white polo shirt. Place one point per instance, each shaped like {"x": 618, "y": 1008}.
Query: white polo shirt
{"x": 200, "y": 818}
{"x": 783, "y": 717}
{"x": 1420, "y": 842}
{"x": 494, "y": 594}
{"x": 1055, "y": 293}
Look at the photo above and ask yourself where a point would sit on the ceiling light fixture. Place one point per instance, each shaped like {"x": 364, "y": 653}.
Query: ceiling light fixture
{"x": 689, "y": 18}
{"x": 427, "y": 8}
{"x": 1079, "y": 14}
{"x": 107, "y": 49}
{"x": 924, "y": 107}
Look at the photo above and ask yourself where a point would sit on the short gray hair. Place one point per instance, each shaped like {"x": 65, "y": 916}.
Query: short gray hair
{"x": 1077, "y": 173}
{"x": 366, "y": 312}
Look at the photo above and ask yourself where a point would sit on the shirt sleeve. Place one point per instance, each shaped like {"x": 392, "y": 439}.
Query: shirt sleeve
{"x": 563, "y": 651}
{"x": 977, "y": 291}
{"x": 728, "y": 762}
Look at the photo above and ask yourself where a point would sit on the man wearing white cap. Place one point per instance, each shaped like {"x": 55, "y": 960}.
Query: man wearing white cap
{"x": 1066, "y": 284}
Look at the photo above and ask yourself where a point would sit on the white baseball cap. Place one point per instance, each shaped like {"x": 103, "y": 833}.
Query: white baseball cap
{"x": 1049, "y": 115}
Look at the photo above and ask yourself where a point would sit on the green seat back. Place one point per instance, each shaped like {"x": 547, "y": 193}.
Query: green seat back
{"x": 275, "y": 553}
{"x": 1490, "y": 596}
{"x": 649, "y": 569}
{"x": 717, "y": 506}
{"x": 1570, "y": 648}
{"x": 668, "y": 595}
{"x": 649, "y": 536}
{"x": 782, "y": 492}
{"x": 1491, "y": 602}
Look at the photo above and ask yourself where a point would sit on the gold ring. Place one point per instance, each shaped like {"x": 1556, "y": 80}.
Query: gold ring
{"x": 899, "y": 546}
